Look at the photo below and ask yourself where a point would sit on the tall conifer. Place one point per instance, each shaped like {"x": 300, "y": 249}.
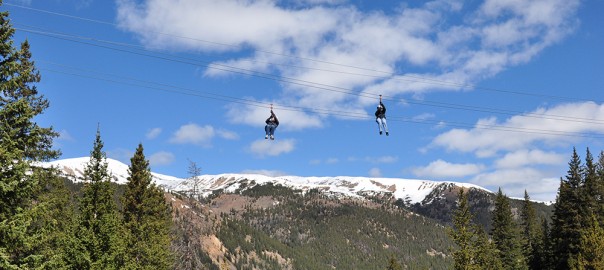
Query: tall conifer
{"x": 22, "y": 143}
{"x": 531, "y": 232}
{"x": 474, "y": 249}
{"x": 567, "y": 217}
{"x": 100, "y": 226}
{"x": 147, "y": 218}
{"x": 506, "y": 235}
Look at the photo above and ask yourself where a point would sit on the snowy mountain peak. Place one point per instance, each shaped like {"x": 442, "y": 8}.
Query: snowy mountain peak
{"x": 410, "y": 190}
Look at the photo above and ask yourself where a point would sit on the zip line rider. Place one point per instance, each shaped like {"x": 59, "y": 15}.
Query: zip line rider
{"x": 380, "y": 117}
{"x": 271, "y": 124}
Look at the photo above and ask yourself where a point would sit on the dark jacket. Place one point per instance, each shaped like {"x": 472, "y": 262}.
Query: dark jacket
{"x": 381, "y": 111}
{"x": 272, "y": 119}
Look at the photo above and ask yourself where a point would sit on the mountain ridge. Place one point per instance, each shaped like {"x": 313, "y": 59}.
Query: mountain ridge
{"x": 409, "y": 190}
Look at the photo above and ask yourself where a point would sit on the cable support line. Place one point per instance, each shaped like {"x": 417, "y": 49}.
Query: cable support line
{"x": 504, "y": 128}
{"x": 287, "y": 79}
{"x": 304, "y": 83}
{"x": 384, "y": 73}
{"x": 351, "y": 115}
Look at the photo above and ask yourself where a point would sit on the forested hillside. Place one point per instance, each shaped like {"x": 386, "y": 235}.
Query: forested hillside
{"x": 273, "y": 227}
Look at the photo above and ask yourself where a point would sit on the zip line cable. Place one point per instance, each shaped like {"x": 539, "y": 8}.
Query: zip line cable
{"x": 384, "y": 73}
{"x": 360, "y": 116}
{"x": 299, "y": 82}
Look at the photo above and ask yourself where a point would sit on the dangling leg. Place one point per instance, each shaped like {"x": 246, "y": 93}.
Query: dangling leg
{"x": 379, "y": 126}
{"x": 385, "y": 125}
{"x": 266, "y": 130}
{"x": 272, "y": 131}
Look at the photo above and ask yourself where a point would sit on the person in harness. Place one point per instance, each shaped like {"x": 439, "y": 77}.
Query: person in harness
{"x": 271, "y": 124}
{"x": 380, "y": 117}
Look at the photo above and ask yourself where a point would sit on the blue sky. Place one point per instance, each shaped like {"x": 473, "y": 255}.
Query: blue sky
{"x": 495, "y": 93}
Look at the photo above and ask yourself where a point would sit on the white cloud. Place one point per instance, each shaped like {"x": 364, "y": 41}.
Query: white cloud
{"x": 507, "y": 177}
{"x": 228, "y": 135}
{"x": 153, "y": 133}
{"x": 375, "y": 172}
{"x": 161, "y": 158}
{"x": 193, "y": 134}
{"x": 522, "y": 158}
{"x": 65, "y": 136}
{"x": 382, "y": 159}
{"x": 539, "y": 184}
{"x": 487, "y": 40}
{"x": 332, "y": 161}
{"x": 490, "y": 136}
{"x": 277, "y": 147}
{"x": 443, "y": 169}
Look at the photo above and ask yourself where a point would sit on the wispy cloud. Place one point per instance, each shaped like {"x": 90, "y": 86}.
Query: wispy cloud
{"x": 523, "y": 158}
{"x": 375, "y": 172}
{"x": 153, "y": 133}
{"x": 263, "y": 148}
{"x": 200, "y": 135}
{"x": 193, "y": 134}
{"x": 490, "y": 136}
{"x": 442, "y": 169}
{"x": 161, "y": 158}
{"x": 495, "y": 36}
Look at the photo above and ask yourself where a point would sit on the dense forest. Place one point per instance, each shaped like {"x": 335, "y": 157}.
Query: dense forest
{"x": 48, "y": 222}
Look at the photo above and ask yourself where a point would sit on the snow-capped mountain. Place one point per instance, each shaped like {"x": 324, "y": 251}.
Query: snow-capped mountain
{"x": 410, "y": 190}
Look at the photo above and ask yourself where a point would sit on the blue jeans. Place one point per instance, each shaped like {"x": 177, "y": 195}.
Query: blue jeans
{"x": 270, "y": 129}
{"x": 382, "y": 123}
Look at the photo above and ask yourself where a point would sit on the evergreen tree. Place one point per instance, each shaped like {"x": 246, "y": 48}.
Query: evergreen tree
{"x": 100, "y": 229}
{"x": 487, "y": 255}
{"x": 544, "y": 253}
{"x": 393, "y": 264}
{"x": 591, "y": 252}
{"x": 475, "y": 250}
{"x": 505, "y": 234}
{"x": 22, "y": 143}
{"x": 531, "y": 233}
{"x": 567, "y": 217}
{"x": 463, "y": 234}
{"x": 589, "y": 192}
{"x": 147, "y": 218}
{"x": 599, "y": 190}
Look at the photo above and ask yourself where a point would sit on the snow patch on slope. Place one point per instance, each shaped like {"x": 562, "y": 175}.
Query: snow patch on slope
{"x": 411, "y": 190}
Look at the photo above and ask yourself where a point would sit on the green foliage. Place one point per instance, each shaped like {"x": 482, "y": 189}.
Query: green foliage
{"x": 531, "y": 234}
{"x": 506, "y": 234}
{"x": 393, "y": 264}
{"x": 100, "y": 231}
{"x": 147, "y": 219}
{"x": 314, "y": 231}
{"x": 474, "y": 249}
{"x": 22, "y": 142}
{"x": 591, "y": 254}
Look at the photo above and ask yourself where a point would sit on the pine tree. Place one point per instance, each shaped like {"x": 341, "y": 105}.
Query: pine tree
{"x": 474, "y": 249}
{"x": 147, "y": 218}
{"x": 393, "y": 264}
{"x": 487, "y": 255}
{"x": 599, "y": 190}
{"x": 505, "y": 234}
{"x": 544, "y": 249}
{"x": 100, "y": 229}
{"x": 591, "y": 251}
{"x": 589, "y": 192}
{"x": 531, "y": 233}
{"x": 567, "y": 217}
{"x": 22, "y": 143}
